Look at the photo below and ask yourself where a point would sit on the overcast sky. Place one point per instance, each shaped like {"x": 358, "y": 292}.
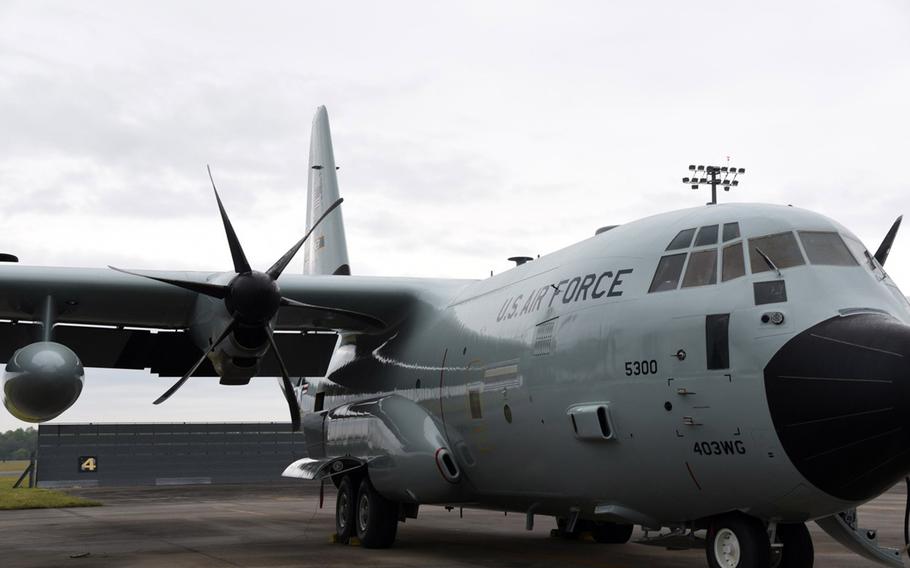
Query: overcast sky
{"x": 465, "y": 132}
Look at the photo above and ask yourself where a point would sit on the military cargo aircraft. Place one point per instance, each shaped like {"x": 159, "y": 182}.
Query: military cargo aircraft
{"x": 718, "y": 376}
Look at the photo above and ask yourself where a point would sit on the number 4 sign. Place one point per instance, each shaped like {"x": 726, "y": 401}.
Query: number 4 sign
{"x": 88, "y": 464}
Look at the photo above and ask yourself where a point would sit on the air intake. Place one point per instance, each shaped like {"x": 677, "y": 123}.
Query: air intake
{"x": 447, "y": 466}
{"x": 591, "y": 421}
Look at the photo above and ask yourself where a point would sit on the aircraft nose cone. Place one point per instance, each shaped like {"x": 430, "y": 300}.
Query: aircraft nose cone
{"x": 839, "y": 396}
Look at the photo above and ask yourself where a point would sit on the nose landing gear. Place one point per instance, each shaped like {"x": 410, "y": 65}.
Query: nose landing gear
{"x": 796, "y": 550}
{"x": 740, "y": 541}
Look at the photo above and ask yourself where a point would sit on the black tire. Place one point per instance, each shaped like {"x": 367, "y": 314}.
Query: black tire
{"x": 797, "y": 551}
{"x": 376, "y": 518}
{"x": 738, "y": 541}
{"x": 345, "y": 504}
{"x": 611, "y": 533}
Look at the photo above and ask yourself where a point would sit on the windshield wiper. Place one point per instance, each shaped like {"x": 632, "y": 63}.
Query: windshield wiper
{"x": 769, "y": 262}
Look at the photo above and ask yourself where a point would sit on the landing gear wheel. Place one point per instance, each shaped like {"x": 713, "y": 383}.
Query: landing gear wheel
{"x": 797, "y": 551}
{"x": 610, "y": 533}
{"x": 376, "y": 517}
{"x": 738, "y": 541}
{"x": 344, "y": 509}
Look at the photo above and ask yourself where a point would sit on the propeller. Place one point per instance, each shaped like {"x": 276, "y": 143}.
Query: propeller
{"x": 881, "y": 255}
{"x": 253, "y": 299}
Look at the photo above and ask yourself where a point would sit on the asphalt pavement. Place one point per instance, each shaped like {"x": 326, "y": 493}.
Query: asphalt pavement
{"x": 207, "y": 526}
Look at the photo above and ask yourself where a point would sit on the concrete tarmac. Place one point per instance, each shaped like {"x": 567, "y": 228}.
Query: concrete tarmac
{"x": 208, "y": 526}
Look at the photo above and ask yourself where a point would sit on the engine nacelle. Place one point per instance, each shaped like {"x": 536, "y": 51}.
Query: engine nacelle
{"x": 41, "y": 381}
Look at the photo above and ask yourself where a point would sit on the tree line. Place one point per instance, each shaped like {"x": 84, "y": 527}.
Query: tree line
{"x": 18, "y": 444}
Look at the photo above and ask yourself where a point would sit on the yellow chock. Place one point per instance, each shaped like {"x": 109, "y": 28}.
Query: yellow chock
{"x": 353, "y": 541}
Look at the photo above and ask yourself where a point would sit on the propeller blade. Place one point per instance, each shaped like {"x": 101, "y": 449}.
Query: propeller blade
{"x": 277, "y": 268}
{"x": 366, "y": 318}
{"x": 192, "y": 370}
{"x": 241, "y": 265}
{"x": 881, "y": 255}
{"x": 204, "y": 288}
{"x": 293, "y": 405}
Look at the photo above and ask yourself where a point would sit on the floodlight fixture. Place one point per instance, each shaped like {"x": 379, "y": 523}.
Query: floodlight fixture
{"x": 726, "y": 181}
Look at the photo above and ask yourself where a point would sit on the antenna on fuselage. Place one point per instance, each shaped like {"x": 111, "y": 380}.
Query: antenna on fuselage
{"x": 729, "y": 178}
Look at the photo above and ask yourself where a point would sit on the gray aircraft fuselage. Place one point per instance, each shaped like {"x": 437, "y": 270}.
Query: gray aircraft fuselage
{"x": 736, "y": 368}
{"x": 503, "y": 364}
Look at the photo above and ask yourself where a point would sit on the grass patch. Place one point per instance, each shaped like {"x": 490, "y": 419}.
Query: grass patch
{"x": 13, "y": 465}
{"x": 25, "y": 498}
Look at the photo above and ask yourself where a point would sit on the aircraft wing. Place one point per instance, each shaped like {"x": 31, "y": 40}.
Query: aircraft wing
{"x": 116, "y": 320}
{"x": 94, "y": 296}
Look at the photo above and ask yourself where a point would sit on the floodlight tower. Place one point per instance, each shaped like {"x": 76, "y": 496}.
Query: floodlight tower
{"x": 729, "y": 180}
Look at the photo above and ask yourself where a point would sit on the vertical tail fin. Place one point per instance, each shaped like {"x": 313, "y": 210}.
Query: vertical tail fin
{"x": 326, "y": 251}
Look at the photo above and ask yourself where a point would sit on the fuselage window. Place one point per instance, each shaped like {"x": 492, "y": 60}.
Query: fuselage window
{"x": 682, "y": 240}
{"x": 781, "y": 248}
{"x": 702, "y": 269}
{"x": 859, "y": 251}
{"x": 706, "y": 236}
{"x": 734, "y": 266}
{"x": 731, "y": 231}
{"x": 717, "y": 341}
{"x": 771, "y": 292}
{"x": 668, "y": 270}
{"x": 826, "y": 248}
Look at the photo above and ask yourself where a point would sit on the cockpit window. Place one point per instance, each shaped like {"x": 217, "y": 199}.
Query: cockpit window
{"x": 734, "y": 267}
{"x": 781, "y": 248}
{"x": 706, "y": 236}
{"x": 826, "y": 248}
{"x": 731, "y": 231}
{"x": 668, "y": 271}
{"x": 702, "y": 269}
{"x": 682, "y": 240}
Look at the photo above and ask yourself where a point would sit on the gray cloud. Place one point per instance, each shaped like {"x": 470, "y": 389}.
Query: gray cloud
{"x": 465, "y": 133}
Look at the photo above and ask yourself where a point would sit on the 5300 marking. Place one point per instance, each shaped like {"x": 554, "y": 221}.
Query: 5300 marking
{"x": 647, "y": 367}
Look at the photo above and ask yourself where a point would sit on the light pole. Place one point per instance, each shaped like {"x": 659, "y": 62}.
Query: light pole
{"x": 729, "y": 178}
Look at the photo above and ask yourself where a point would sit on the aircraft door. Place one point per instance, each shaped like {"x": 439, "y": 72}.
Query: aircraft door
{"x": 685, "y": 349}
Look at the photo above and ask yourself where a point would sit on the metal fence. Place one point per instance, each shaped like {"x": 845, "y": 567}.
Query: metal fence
{"x": 165, "y": 453}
